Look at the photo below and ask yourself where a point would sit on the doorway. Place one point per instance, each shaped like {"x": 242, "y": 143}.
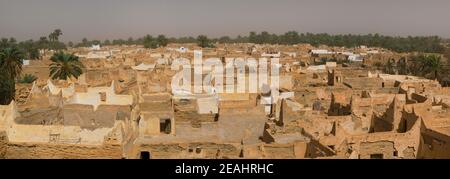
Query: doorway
{"x": 145, "y": 155}
{"x": 164, "y": 126}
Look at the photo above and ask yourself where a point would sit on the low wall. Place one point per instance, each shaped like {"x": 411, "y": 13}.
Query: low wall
{"x": 3, "y": 144}
{"x": 65, "y": 134}
{"x": 190, "y": 150}
{"x": 56, "y": 151}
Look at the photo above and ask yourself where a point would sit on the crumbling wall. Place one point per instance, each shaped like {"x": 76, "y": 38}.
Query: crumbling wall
{"x": 62, "y": 151}
{"x": 434, "y": 145}
{"x": 3, "y": 144}
{"x": 379, "y": 149}
{"x": 293, "y": 150}
{"x": 56, "y": 134}
{"x": 278, "y": 151}
{"x": 186, "y": 111}
{"x": 393, "y": 114}
{"x": 191, "y": 150}
{"x": 339, "y": 106}
{"x": 290, "y": 111}
{"x": 86, "y": 117}
{"x": 39, "y": 116}
{"x": 405, "y": 145}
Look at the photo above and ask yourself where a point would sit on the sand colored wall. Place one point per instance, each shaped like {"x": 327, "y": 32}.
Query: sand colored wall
{"x": 151, "y": 109}
{"x": 61, "y": 151}
{"x": 3, "y": 144}
{"x": 153, "y": 126}
{"x": 435, "y": 139}
{"x": 435, "y": 145}
{"x": 86, "y": 117}
{"x": 149, "y": 126}
{"x": 93, "y": 97}
{"x": 41, "y": 72}
{"x": 406, "y": 144}
{"x": 191, "y": 150}
{"x": 33, "y": 141}
{"x": 7, "y": 115}
{"x": 55, "y": 90}
{"x": 237, "y": 100}
{"x": 294, "y": 150}
{"x": 384, "y": 148}
{"x": 67, "y": 134}
{"x": 286, "y": 82}
{"x": 41, "y": 133}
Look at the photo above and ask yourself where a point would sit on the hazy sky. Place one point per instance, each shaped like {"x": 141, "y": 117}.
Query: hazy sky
{"x": 101, "y": 19}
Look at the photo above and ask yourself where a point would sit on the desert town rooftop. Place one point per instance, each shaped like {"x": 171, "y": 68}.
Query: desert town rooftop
{"x": 329, "y": 104}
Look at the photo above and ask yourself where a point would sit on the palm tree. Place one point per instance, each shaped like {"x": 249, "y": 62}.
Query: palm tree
{"x": 57, "y": 33}
{"x": 43, "y": 44}
{"x": 27, "y": 78}
{"x": 416, "y": 65}
{"x": 54, "y": 37}
{"x": 11, "y": 61}
{"x": 4, "y": 43}
{"x": 65, "y": 66}
{"x": 433, "y": 63}
{"x": 388, "y": 67}
{"x": 7, "y": 89}
{"x": 11, "y": 65}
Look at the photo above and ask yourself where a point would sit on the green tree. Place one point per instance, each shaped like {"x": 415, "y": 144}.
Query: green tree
{"x": 5, "y": 42}
{"x": 57, "y": 33}
{"x": 70, "y": 44}
{"x": 162, "y": 41}
{"x": 43, "y": 44}
{"x": 204, "y": 42}
{"x": 95, "y": 42}
{"x": 130, "y": 41}
{"x": 150, "y": 42}
{"x": 65, "y": 66}
{"x": 84, "y": 42}
{"x": 54, "y": 39}
{"x": 11, "y": 61}
{"x": 252, "y": 37}
{"x": 106, "y": 42}
{"x": 7, "y": 89}
{"x": 264, "y": 37}
{"x": 33, "y": 53}
{"x": 290, "y": 38}
{"x": 27, "y": 78}
{"x": 225, "y": 39}
{"x": 30, "y": 48}
{"x": 12, "y": 40}
{"x": 433, "y": 64}
{"x": 11, "y": 65}
{"x": 425, "y": 65}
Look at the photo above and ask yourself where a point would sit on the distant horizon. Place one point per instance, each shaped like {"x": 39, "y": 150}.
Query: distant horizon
{"x": 116, "y": 19}
{"x": 210, "y": 37}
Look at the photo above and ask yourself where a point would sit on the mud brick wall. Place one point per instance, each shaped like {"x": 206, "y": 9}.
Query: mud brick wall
{"x": 61, "y": 151}
{"x": 192, "y": 150}
{"x": 3, "y": 144}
